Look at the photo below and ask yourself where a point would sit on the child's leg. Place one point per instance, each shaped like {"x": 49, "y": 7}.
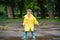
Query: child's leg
{"x": 32, "y": 32}
{"x": 25, "y": 35}
{"x": 33, "y": 36}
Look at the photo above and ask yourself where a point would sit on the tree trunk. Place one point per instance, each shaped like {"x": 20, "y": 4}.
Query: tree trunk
{"x": 20, "y": 13}
{"x": 13, "y": 12}
{"x": 58, "y": 7}
{"x": 41, "y": 5}
{"x": 51, "y": 14}
{"x": 43, "y": 15}
{"x": 9, "y": 11}
{"x": 59, "y": 14}
{"x": 21, "y": 6}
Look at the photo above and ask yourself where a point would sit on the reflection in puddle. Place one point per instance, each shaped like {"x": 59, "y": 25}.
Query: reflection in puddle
{"x": 40, "y": 33}
{"x": 37, "y": 38}
{"x": 49, "y": 37}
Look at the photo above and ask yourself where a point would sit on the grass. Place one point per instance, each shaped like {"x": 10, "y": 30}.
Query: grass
{"x": 1, "y": 27}
{"x": 11, "y": 20}
{"x": 4, "y": 28}
{"x": 21, "y": 20}
{"x": 47, "y": 19}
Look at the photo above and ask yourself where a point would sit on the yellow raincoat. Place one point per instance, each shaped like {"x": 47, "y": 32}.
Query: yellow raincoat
{"x": 29, "y": 23}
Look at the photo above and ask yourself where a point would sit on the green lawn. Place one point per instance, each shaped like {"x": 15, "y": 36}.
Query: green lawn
{"x": 49, "y": 20}
{"x": 21, "y": 20}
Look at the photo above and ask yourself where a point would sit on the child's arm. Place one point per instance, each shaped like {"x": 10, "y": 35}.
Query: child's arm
{"x": 24, "y": 22}
{"x": 35, "y": 21}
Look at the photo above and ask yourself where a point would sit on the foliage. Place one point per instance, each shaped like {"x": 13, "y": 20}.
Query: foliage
{"x": 1, "y": 27}
{"x": 32, "y": 4}
{"x": 22, "y": 5}
{"x": 50, "y": 4}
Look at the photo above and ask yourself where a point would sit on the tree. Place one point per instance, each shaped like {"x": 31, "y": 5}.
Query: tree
{"x": 33, "y": 5}
{"x": 50, "y": 8}
{"x": 21, "y": 7}
{"x": 9, "y": 7}
{"x": 58, "y": 7}
{"x": 41, "y": 5}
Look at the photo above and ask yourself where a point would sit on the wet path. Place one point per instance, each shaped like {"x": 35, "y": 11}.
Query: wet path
{"x": 15, "y": 32}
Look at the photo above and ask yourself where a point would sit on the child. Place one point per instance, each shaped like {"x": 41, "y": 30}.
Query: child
{"x": 29, "y": 21}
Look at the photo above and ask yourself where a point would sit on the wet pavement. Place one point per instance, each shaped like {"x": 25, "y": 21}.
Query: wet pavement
{"x": 15, "y": 32}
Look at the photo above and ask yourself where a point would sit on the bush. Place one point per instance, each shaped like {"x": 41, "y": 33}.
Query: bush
{"x": 1, "y": 13}
{"x": 6, "y": 27}
{"x": 1, "y": 27}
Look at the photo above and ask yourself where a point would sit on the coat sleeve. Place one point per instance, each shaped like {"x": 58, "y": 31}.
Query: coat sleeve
{"x": 24, "y": 21}
{"x": 35, "y": 21}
